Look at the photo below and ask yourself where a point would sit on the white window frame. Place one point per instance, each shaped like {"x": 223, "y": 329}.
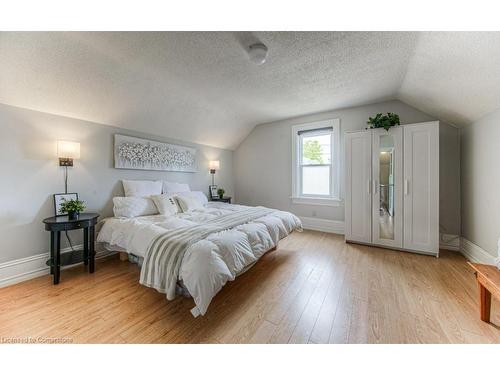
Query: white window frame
{"x": 333, "y": 199}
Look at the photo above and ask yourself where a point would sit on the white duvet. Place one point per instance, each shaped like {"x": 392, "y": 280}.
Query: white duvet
{"x": 209, "y": 263}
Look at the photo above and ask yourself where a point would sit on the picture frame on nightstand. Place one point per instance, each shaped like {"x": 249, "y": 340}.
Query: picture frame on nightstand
{"x": 213, "y": 191}
{"x": 60, "y": 198}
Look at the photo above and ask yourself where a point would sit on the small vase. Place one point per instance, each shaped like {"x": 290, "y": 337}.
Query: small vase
{"x": 73, "y": 215}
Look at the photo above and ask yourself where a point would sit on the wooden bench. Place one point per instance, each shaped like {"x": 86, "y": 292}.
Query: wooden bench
{"x": 488, "y": 280}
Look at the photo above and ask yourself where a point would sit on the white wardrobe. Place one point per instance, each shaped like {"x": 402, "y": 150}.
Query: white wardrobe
{"x": 392, "y": 187}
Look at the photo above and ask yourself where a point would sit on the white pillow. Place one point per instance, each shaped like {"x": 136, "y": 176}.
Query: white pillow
{"x": 166, "y": 204}
{"x": 195, "y": 194}
{"x": 188, "y": 203}
{"x": 136, "y": 188}
{"x": 174, "y": 187}
{"x": 133, "y": 206}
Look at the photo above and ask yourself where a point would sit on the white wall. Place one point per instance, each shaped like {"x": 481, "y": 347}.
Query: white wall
{"x": 262, "y": 162}
{"x": 480, "y": 177}
{"x": 31, "y": 174}
{"x": 449, "y": 179}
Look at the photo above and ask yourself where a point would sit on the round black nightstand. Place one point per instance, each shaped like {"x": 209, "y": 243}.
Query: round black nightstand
{"x": 223, "y": 199}
{"x": 55, "y": 225}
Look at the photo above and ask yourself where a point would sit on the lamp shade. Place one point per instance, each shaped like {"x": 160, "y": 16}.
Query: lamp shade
{"x": 213, "y": 165}
{"x": 68, "y": 150}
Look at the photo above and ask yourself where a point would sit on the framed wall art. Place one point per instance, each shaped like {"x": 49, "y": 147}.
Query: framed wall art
{"x": 139, "y": 153}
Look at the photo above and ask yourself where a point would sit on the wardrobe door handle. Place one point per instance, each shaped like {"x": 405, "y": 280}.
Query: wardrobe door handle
{"x": 374, "y": 186}
{"x": 406, "y": 186}
{"x": 369, "y": 186}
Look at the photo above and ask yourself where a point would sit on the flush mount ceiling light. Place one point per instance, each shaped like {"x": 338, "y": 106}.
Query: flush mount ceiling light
{"x": 257, "y": 53}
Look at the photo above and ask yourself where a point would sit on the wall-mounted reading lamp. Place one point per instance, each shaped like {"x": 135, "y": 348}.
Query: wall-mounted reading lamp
{"x": 67, "y": 152}
{"x": 213, "y": 165}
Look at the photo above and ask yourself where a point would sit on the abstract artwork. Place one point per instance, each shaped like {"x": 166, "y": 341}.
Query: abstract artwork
{"x": 138, "y": 153}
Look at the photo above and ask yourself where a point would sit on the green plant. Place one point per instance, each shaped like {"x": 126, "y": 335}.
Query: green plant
{"x": 72, "y": 206}
{"x": 221, "y": 192}
{"x": 383, "y": 121}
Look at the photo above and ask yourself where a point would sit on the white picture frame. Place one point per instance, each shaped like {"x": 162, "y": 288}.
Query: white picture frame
{"x": 60, "y": 198}
{"x": 213, "y": 192}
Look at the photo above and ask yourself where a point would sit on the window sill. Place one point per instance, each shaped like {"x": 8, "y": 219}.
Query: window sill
{"x": 333, "y": 202}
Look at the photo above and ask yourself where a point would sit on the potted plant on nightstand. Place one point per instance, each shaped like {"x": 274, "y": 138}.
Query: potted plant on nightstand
{"x": 221, "y": 192}
{"x": 73, "y": 208}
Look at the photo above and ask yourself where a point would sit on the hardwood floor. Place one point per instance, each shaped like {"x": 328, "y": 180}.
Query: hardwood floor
{"x": 313, "y": 289}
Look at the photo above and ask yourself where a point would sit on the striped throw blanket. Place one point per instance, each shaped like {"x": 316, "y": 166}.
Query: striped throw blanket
{"x": 162, "y": 262}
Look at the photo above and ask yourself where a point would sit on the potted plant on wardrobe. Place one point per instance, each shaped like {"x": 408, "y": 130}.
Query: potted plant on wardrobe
{"x": 73, "y": 208}
{"x": 383, "y": 121}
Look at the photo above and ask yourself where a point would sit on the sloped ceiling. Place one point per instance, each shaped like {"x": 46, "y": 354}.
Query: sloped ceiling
{"x": 454, "y": 76}
{"x": 201, "y": 87}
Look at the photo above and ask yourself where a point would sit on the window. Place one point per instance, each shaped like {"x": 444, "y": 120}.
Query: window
{"x": 315, "y": 163}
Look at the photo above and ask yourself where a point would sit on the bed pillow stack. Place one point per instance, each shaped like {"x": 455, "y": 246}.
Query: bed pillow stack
{"x": 144, "y": 198}
{"x": 188, "y": 200}
{"x": 137, "y": 200}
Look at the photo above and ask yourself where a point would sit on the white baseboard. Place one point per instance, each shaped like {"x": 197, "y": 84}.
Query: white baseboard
{"x": 27, "y": 268}
{"x": 476, "y": 254}
{"x": 449, "y": 241}
{"x": 323, "y": 225}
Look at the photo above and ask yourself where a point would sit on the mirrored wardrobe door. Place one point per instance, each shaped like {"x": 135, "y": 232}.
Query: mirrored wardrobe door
{"x": 387, "y": 167}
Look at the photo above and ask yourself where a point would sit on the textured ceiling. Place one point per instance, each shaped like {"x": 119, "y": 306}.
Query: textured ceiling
{"x": 454, "y": 76}
{"x": 201, "y": 87}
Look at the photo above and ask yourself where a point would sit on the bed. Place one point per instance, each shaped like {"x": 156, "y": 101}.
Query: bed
{"x": 197, "y": 252}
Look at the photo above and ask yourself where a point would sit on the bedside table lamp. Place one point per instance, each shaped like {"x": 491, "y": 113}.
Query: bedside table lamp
{"x": 67, "y": 152}
{"x": 213, "y": 165}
